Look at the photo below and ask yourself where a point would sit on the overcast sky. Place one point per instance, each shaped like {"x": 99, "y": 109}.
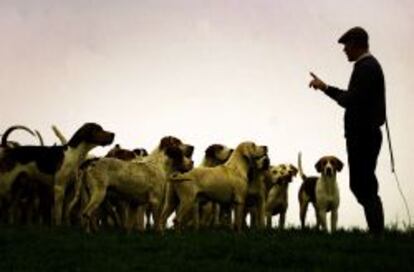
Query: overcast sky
{"x": 208, "y": 71}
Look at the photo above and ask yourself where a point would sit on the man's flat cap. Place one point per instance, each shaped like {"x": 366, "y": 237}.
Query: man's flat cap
{"x": 355, "y": 34}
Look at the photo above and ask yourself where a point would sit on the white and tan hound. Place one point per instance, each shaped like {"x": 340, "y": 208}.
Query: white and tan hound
{"x": 322, "y": 191}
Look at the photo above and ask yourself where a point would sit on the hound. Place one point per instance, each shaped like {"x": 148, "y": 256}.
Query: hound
{"x": 214, "y": 155}
{"x": 278, "y": 180}
{"x": 9, "y": 206}
{"x": 140, "y": 182}
{"x": 53, "y": 165}
{"x": 256, "y": 193}
{"x": 225, "y": 184}
{"x": 322, "y": 191}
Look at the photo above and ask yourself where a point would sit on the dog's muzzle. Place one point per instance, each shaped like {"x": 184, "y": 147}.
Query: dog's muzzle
{"x": 329, "y": 171}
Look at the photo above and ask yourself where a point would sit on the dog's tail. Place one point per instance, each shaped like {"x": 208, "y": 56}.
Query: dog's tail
{"x": 59, "y": 135}
{"x": 179, "y": 177}
{"x": 10, "y": 130}
{"x": 301, "y": 173}
{"x": 39, "y": 136}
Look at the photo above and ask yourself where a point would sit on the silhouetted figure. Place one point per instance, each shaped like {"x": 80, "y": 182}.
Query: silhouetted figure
{"x": 364, "y": 104}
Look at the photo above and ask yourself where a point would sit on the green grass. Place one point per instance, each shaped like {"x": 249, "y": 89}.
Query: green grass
{"x": 64, "y": 249}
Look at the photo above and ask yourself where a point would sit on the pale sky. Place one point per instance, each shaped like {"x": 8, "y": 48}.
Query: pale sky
{"x": 208, "y": 71}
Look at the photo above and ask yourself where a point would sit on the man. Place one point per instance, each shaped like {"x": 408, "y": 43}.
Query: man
{"x": 364, "y": 104}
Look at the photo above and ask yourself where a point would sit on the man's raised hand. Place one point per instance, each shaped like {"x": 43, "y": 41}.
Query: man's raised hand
{"x": 317, "y": 83}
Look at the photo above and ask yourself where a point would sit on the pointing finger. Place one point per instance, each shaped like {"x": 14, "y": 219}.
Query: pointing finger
{"x": 313, "y": 75}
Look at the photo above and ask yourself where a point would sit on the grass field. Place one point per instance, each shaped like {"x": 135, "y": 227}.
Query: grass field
{"x": 64, "y": 249}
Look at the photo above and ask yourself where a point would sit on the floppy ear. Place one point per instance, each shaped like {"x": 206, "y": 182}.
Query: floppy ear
{"x": 338, "y": 164}
{"x": 189, "y": 150}
{"x": 84, "y": 133}
{"x": 212, "y": 149}
{"x": 319, "y": 165}
{"x": 174, "y": 152}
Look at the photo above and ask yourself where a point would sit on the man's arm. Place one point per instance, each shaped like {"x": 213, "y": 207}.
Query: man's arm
{"x": 359, "y": 81}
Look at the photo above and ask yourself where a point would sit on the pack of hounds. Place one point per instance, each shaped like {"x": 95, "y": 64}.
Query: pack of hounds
{"x": 235, "y": 188}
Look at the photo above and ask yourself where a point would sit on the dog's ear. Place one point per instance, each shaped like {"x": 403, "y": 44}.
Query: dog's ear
{"x": 319, "y": 165}
{"x": 212, "y": 149}
{"x": 141, "y": 152}
{"x": 189, "y": 150}
{"x": 174, "y": 152}
{"x": 338, "y": 164}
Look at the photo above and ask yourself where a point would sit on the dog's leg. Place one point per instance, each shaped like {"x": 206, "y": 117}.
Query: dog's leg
{"x": 132, "y": 217}
{"x": 184, "y": 210}
{"x": 196, "y": 215}
{"x": 168, "y": 207}
{"x": 334, "y": 220}
{"x": 141, "y": 218}
{"x": 74, "y": 201}
{"x": 303, "y": 211}
{"x": 321, "y": 214}
{"x": 155, "y": 208}
{"x": 97, "y": 197}
{"x": 59, "y": 192}
{"x": 238, "y": 216}
{"x": 261, "y": 213}
{"x": 269, "y": 220}
{"x": 207, "y": 214}
{"x": 282, "y": 219}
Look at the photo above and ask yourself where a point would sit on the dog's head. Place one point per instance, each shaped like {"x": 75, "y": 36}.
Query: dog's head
{"x": 140, "y": 152}
{"x": 259, "y": 165}
{"x": 251, "y": 151}
{"x": 91, "y": 133}
{"x": 217, "y": 154}
{"x": 329, "y": 165}
{"x": 282, "y": 174}
{"x": 120, "y": 153}
{"x": 171, "y": 141}
{"x": 179, "y": 162}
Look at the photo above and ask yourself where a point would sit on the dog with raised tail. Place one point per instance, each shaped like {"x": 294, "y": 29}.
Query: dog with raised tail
{"x": 322, "y": 191}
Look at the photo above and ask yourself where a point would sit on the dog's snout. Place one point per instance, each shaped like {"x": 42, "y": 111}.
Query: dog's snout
{"x": 329, "y": 171}
{"x": 189, "y": 151}
{"x": 111, "y": 137}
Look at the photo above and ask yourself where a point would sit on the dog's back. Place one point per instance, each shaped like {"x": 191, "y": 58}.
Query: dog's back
{"x": 48, "y": 159}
